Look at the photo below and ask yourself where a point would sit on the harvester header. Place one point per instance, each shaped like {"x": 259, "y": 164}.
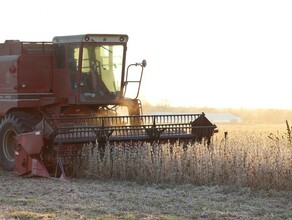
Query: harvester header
{"x": 56, "y": 97}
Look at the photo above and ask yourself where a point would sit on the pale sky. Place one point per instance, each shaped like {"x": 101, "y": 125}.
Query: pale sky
{"x": 213, "y": 53}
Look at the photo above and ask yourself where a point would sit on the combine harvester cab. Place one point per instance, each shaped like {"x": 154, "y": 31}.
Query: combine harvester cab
{"x": 58, "y": 96}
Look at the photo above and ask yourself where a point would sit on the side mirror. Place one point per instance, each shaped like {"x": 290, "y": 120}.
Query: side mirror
{"x": 144, "y": 63}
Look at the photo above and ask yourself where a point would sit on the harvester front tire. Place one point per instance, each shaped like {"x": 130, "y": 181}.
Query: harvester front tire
{"x": 11, "y": 125}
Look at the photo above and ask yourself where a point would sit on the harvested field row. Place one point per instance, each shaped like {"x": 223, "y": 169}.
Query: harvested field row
{"x": 34, "y": 198}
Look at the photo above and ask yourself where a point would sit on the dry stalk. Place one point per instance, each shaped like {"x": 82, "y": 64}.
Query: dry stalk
{"x": 244, "y": 159}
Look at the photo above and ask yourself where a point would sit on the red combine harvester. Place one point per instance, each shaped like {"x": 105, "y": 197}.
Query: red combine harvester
{"x": 57, "y": 96}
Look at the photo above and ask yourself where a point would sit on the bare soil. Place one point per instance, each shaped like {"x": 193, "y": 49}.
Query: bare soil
{"x": 38, "y": 198}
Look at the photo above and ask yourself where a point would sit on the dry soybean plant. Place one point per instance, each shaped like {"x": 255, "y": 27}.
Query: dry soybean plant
{"x": 244, "y": 158}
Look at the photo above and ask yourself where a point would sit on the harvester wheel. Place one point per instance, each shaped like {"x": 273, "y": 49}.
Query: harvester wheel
{"x": 11, "y": 125}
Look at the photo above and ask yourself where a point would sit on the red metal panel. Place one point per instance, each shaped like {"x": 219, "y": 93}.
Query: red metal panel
{"x": 6, "y": 105}
{"x": 8, "y": 74}
{"x": 35, "y": 74}
{"x": 22, "y": 162}
{"x": 39, "y": 168}
{"x": 31, "y": 142}
{"x": 27, "y": 157}
{"x": 62, "y": 86}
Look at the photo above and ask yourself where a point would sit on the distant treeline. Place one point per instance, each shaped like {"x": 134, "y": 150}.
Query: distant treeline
{"x": 246, "y": 115}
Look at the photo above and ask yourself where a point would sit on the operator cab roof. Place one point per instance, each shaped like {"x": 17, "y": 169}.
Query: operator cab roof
{"x": 112, "y": 38}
